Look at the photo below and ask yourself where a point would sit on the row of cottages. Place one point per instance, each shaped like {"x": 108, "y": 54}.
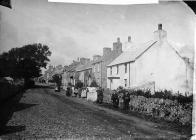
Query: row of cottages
{"x": 84, "y": 72}
{"x": 68, "y": 75}
{"x": 155, "y": 65}
{"x": 51, "y": 71}
{"x": 96, "y": 70}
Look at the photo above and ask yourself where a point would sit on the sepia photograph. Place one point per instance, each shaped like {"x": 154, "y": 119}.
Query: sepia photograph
{"x": 95, "y": 71}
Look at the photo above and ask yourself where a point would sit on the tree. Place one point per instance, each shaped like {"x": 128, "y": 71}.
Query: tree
{"x": 57, "y": 78}
{"x": 93, "y": 84}
{"x": 25, "y": 62}
{"x": 79, "y": 84}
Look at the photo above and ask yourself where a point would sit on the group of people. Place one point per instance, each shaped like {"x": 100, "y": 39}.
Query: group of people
{"x": 83, "y": 92}
{"x": 124, "y": 97}
{"x": 76, "y": 92}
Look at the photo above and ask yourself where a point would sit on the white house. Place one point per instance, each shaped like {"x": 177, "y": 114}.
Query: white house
{"x": 155, "y": 65}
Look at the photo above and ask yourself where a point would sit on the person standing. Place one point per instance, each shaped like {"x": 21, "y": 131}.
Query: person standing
{"x": 115, "y": 99}
{"x": 75, "y": 91}
{"x": 126, "y": 99}
{"x": 72, "y": 91}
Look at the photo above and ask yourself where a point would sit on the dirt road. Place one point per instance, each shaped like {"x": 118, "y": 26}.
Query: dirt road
{"x": 42, "y": 113}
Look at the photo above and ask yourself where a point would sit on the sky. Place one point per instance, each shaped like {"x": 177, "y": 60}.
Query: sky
{"x": 83, "y": 30}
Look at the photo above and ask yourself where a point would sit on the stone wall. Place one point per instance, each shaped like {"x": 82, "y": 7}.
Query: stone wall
{"x": 162, "y": 108}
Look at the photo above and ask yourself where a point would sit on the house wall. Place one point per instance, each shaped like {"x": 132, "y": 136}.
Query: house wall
{"x": 85, "y": 78}
{"x": 64, "y": 80}
{"x": 81, "y": 76}
{"x": 104, "y": 74}
{"x": 108, "y": 56}
{"x": 97, "y": 73}
{"x": 160, "y": 68}
{"x": 162, "y": 65}
{"x": 88, "y": 77}
{"x": 121, "y": 75}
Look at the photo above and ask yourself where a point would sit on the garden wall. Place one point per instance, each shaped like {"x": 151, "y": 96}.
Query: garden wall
{"x": 8, "y": 90}
{"x": 162, "y": 108}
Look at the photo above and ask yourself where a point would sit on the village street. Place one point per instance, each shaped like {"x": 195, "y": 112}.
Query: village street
{"x": 43, "y": 113}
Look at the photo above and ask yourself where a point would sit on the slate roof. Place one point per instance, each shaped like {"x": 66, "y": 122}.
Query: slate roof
{"x": 133, "y": 53}
{"x": 84, "y": 67}
{"x": 73, "y": 66}
{"x": 99, "y": 60}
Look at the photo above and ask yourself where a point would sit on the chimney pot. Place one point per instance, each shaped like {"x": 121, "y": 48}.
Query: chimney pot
{"x": 159, "y": 26}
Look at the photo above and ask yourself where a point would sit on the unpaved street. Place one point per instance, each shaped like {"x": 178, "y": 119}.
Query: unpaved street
{"x": 42, "y": 113}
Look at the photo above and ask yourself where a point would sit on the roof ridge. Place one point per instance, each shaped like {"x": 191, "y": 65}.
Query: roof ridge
{"x": 141, "y": 50}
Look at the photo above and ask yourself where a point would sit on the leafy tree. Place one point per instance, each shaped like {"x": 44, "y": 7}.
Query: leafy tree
{"x": 25, "y": 62}
{"x": 57, "y": 78}
{"x": 93, "y": 84}
{"x": 79, "y": 84}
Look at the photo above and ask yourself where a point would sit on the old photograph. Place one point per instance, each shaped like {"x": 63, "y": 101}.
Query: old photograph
{"x": 97, "y": 71}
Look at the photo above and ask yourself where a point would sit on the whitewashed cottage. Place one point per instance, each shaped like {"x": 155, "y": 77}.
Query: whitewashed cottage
{"x": 155, "y": 65}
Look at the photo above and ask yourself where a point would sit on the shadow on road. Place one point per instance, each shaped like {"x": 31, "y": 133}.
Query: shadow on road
{"x": 44, "y": 86}
{"x": 7, "y": 109}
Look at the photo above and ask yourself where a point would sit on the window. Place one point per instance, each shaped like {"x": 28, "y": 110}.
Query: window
{"x": 111, "y": 81}
{"x": 126, "y": 68}
{"x": 117, "y": 69}
{"x": 110, "y": 70}
{"x": 98, "y": 67}
{"x": 125, "y": 82}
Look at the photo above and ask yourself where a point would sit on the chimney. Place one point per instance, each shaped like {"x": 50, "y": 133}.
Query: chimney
{"x": 129, "y": 38}
{"x": 159, "y": 26}
{"x": 107, "y": 51}
{"x": 160, "y": 34}
{"x": 117, "y": 46}
{"x": 118, "y": 39}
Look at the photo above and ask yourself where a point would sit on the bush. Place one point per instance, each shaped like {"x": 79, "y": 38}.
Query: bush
{"x": 29, "y": 83}
{"x": 7, "y": 90}
{"x": 166, "y": 94}
{"x": 79, "y": 84}
{"x": 93, "y": 84}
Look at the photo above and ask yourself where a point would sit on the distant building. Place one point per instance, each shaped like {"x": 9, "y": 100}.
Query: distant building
{"x": 84, "y": 73}
{"x": 70, "y": 74}
{"x": 155, "y": 65}
{"x": 48, "y": 73}
{"x": 99, "y": 65}
{"x": 51, "y": 71}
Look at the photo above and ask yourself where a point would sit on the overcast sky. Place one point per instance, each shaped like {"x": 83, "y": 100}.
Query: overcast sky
{"x": 82, "y": 30}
